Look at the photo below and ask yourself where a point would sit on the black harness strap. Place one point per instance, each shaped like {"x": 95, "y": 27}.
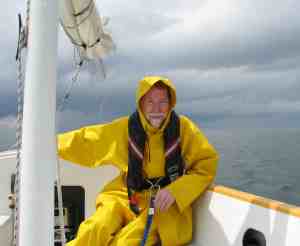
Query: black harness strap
{"x": 174, "y": 164}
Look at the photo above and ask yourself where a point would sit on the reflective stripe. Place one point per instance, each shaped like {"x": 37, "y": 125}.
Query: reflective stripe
{"x": 135, "y": 149}
{"x": 173, "y": 147}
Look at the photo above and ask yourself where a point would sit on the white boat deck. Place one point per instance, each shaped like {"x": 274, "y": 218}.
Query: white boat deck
{"x": 221, "y": 216}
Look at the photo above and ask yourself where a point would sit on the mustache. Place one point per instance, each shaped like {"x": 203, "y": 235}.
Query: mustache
{"x": 156, "y": 115}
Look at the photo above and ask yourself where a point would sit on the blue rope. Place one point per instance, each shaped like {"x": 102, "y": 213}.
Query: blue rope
{"x": 149, "y": 221}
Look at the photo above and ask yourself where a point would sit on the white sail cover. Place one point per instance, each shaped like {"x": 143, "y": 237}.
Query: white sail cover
{"x": 82, "y": 23}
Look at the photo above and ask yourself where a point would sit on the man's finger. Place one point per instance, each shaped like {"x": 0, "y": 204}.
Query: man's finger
{"x": 159, "y": 199}
{"x": 163, "y": 201}
{"x": 165, "y": 204}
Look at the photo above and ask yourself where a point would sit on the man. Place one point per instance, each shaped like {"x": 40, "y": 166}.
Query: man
{"x": 153, "y": 146}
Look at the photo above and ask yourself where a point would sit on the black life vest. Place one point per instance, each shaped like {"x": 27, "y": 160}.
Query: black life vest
{"x": 174, "y": 164}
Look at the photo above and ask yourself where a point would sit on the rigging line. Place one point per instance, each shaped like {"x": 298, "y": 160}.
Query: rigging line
{"x": 60, "y": 108}
{"x": 78, "y": 64}
{"x": 77, "y": 59}
{"x": 102, "y": 67}
{"x": 22, "y": 43}
{"x": 67, "y": 93}
{"x": 20, "y": 101}
{"x": 20, "y": 93}
{"x": 15, "y": 197}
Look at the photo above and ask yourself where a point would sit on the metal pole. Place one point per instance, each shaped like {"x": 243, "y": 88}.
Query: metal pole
{"x": 38, "y": 156}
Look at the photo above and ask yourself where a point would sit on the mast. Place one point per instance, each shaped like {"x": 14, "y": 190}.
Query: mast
{"x": 38, "y": 156}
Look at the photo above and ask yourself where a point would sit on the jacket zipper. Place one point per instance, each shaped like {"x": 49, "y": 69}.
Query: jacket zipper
{"x": 148, "y": 143}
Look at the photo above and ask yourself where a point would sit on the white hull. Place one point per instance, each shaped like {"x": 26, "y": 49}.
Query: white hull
{"x": 221, "y": 216}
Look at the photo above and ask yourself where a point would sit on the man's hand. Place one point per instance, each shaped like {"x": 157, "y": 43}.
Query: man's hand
{"x": 163, "y": 200}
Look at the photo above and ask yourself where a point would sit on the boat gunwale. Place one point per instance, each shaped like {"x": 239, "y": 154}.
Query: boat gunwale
{"x": 257, "y": 200}
{"x": 227, "y": 191}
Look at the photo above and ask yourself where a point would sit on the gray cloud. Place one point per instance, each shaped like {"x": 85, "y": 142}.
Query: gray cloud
{"x": 237, "y": 34}
{"x": 229, "y": 60}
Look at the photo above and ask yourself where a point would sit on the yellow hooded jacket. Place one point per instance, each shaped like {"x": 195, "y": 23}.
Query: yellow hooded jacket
{"x": 97, "y": 145}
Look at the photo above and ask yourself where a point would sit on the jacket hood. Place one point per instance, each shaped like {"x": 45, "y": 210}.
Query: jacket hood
{"x": 147, "y": 82}
{"x": 144, "y": 86}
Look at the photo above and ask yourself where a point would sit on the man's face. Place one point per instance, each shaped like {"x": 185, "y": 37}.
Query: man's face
{"x": 155, "y": 105}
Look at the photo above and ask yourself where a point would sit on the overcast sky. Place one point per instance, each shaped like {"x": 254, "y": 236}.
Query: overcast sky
{"x": 235, "y": 63}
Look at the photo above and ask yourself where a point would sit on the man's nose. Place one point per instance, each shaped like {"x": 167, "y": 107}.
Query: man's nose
{"x": 156, "y": 108}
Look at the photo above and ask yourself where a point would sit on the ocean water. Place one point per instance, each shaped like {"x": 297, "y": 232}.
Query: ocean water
{"x": 262, "y": 161}
{"x": 7, "y": 138}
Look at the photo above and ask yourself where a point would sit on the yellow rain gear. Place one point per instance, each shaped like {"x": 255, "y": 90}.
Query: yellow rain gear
{"x": 114, "y": 223}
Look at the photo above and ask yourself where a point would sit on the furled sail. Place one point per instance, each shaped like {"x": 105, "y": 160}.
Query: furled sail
{"x": 83, "y": 25}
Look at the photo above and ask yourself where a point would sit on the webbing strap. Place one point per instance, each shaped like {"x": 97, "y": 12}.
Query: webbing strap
{"x": 149, "y": 221}
{"x": 160, "y": 182}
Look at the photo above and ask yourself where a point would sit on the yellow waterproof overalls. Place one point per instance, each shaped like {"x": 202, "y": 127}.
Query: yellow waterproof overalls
{"x": 114, "y": 223}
